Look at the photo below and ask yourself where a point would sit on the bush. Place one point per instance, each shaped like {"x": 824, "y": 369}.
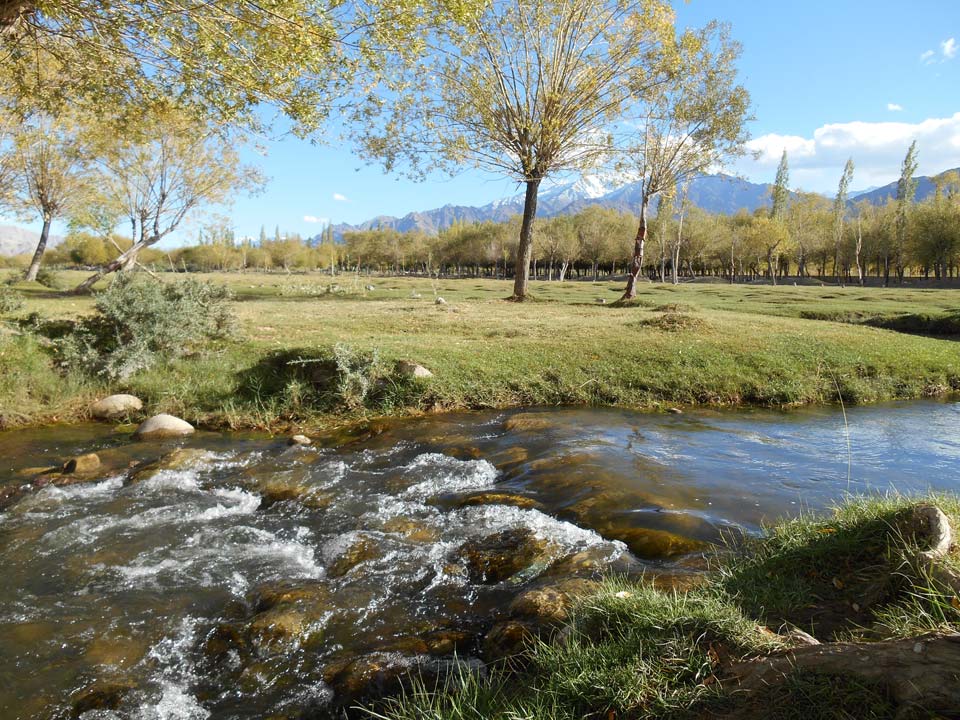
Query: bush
{"x": 49, "y": 279}
{"x": 140, "y": 321}
{"x": 293, "y": 383}
{"x": 10, "y": 301}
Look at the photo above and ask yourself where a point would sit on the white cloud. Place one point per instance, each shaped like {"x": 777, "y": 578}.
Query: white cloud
{"x": 877, "y": 149}
{"x": 893, "y": 107}
{"x": 949, "y": 48}
{"x": 927, "y": 57}
{"x": 315, "y": 219}
{"x": 340, "y": 198}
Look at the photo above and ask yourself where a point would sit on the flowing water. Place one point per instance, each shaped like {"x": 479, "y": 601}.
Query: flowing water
{"x": 240, "y": 578}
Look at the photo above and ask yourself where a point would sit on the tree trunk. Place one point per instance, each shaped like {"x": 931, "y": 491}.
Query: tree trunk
{"x": 121, "y": 262}
{"x": 41, "y": 247}
{"x": 770, "y": 272}
{"x": 563, "y": 270}
{"x": 521, "y": 279}
{"x": 639, "y": 244}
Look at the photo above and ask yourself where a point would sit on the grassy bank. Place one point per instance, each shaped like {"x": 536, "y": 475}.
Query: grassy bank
{"x": 632, "y": 651}
{"x": 690, "y": 344}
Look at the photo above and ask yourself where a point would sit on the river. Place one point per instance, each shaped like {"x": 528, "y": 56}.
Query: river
{"x": 241, "y": 578}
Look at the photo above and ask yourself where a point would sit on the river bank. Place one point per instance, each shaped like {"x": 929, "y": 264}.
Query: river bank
{"x": 688, "y": 345}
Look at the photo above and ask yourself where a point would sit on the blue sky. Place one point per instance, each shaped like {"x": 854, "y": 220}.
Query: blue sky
{"x": 828, "y": 80}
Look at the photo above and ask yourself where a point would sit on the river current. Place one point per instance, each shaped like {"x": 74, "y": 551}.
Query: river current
{"x": 232, "y": 576}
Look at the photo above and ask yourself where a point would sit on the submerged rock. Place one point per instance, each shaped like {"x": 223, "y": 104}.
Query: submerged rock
{"x": 653, "y": 544}
{"x": 526, "y": 422}
{"x": 117, "y": 406}
{"x": 495, "y": 558}
{"x": 178, "y": 460}
{"x": 359, "y": 552}
{"x": 507, "y": 639}
{"x": 100, "y": 695}
{"x": 163, "y": 426}
{"x": 82, "y": 464}
{"x": 501, "y": 498}
{"x": 550, "y": 604}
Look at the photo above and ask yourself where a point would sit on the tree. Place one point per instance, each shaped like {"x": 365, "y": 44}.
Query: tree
{"x": 906, "y": 190}
{"x": 159, "y": 174}
{"x": 690, "y": 123}
{"x": 839, "y": 214}
{"x": 222, "y": 58}
{"x": 780, "y": 194}
{"x": 50, "y": 177}
{"x": 525, "y": 88}
{"x": 808, "y": 218}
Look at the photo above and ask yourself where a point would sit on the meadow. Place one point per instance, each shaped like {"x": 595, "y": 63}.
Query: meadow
{"x": 689, "y": 344}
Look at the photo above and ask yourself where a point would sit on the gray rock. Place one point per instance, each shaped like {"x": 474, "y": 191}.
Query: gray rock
{"x": 440, "y": 301}
{"x": 116, "y": 406}
{"x": 299, "y": 440}
{"x": 163, "y": 426}
{"x": 412, "y": 369}
{"x": 370, "y": 288}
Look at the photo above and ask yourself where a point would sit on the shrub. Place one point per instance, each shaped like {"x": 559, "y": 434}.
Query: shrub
{"x": 10, "y": 301}
{"x": 340, "y": 378}
{"x": 139, "y": 321}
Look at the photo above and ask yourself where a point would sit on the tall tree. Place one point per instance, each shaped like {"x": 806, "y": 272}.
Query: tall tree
{"x": 839, "y": 215}
{"x": 906, "y": 190}
{"x": 780, "y": 192}
{"x": 157, "y": 176}
{"x": 690, "y": 123}
{"x": 50, "y": 175}
{"x": 525, "y": 88}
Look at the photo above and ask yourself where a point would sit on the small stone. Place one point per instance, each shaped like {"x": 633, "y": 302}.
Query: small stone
{"x": 299, "y": 440}
{"x": 163, "y": 426}
{"x": 675, "y": 411}
{"x": 440, "y": 301}
{"x": 602, "y": 301}
{"x": 412, "y": 369}
{"x": 116, "y": 406}
{"x": 82, "y": 464}
{"x": 370, "y": 288}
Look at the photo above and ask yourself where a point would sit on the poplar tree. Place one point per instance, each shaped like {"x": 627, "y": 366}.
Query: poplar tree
{"x": 778, "y": 210}
{"x": 839, "y": 213}
{"x": 906, "y": 190}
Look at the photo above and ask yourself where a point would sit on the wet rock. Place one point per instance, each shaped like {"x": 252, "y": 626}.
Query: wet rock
{"x": 287, "y": 615}
{"x": 527, "y": 422}
{"x": 448, "y": 642}
{"x": 116, "y": 651}
{"x": 163, "y": 426}
{"x": 299, "y": 440}
{"x": 274, "y": 489}
{"x": 369, "y": 676}
{"x": 653, "y": 544}
{"x": 405, "y": 368}
{"x": 114, "y": 407}
{"x": 507, "y": 639}
{"x": 82, "y": 464}
{"x": 550, "y": 604}
{"x": 500, "y": 498}
{"x": 360, "y": 551}
{"x": 100, "y": 695}
{"x": 509, "y": 458}
{"x": 495, "y": 558}
{"x": 223, "y": 639}
{"x": 176, "y": 460}
{"x": 414, "y": 530}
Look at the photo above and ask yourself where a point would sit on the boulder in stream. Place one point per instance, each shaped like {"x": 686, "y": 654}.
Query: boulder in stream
{"x": 496, "y": 557}
{"x": 82, "y": 464}
{"x": 163, "y": 426}
{"x": 114, "y": 407}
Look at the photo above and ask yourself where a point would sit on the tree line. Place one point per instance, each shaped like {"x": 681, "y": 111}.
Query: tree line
{"x": 129, "y": 116}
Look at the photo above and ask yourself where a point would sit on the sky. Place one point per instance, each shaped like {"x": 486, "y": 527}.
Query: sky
{"x": 829, "y": 79}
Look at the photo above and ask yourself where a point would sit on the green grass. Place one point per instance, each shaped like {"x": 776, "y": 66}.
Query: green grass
{"x": 632, "y": 651}
{"x": 689, "y": 344}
